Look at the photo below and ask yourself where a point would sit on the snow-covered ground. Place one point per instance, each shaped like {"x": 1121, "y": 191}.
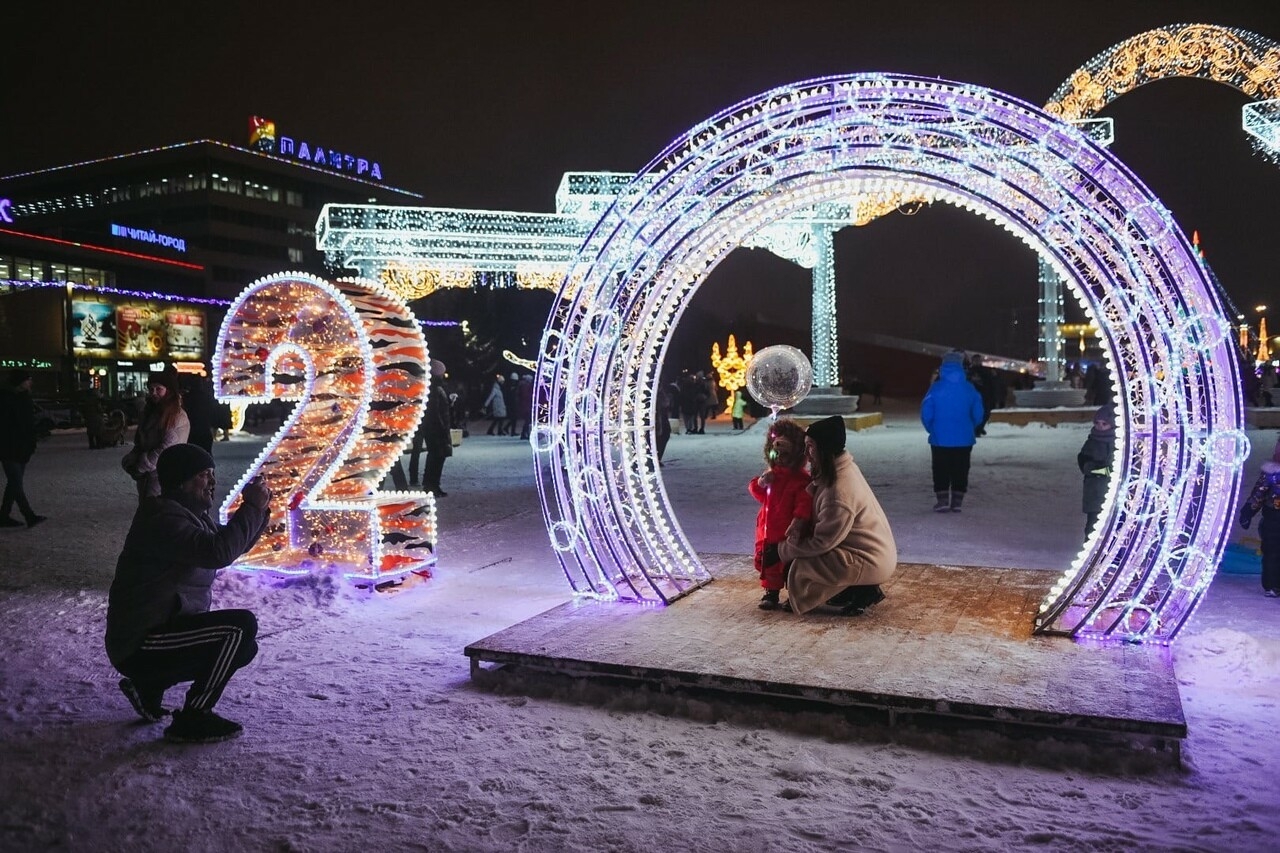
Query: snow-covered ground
{"x": 363, "y": 729}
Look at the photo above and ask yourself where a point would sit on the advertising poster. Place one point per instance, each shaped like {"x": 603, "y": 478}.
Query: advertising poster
{"x": 139, "y": 331}
{"x": 93, "y": 326}
{"x": 184, "y": 334}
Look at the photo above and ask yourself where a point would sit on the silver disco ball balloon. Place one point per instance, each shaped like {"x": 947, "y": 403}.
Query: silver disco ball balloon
{"x": 779, "y": 377}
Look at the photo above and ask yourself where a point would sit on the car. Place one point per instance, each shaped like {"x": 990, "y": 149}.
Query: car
{"x": 55, "y": 414}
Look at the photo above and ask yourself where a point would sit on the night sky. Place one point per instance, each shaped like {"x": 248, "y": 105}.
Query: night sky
{"x": 485, "y": 105}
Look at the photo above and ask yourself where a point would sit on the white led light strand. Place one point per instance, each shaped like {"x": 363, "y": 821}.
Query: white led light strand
{"x": 798, "y": 147}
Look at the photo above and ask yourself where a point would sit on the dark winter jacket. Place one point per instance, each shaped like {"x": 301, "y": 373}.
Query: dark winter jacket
{"x": 952, "y": 409}
{"x": 436, "y": 421}
{"x": 1264, "y": 497}
{"x": 1095, "y": 460}
{"x": 171, "y": 555}
{"x": 17, "y": 425}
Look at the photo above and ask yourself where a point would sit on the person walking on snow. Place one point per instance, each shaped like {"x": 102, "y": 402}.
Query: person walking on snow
{"x": 1264, "y": 497}
{"x": 952, "y": 413}
{"x": 496, "y": 405}
{"x": 17, "y": 446}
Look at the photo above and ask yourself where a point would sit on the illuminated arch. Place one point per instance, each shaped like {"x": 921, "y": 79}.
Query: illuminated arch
{"x": 608, "y": 514}
{"x": 1238, "y": 58}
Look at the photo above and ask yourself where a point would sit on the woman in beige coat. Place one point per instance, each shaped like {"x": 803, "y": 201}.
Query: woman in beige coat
{"x": 848, "y": 550}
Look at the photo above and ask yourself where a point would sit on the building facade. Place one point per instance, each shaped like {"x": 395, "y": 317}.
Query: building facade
{"x": 112, "y": 268}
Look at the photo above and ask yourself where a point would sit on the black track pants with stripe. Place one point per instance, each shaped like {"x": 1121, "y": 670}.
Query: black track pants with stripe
{"x": 203, "y": 648}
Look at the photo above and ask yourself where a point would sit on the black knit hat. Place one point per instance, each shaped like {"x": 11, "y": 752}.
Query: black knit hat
{"x": 179, "y": 463}
{"x": 828, "y": 434}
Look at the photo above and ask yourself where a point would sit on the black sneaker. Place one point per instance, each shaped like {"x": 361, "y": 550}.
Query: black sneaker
{"x": 10, "y": 522}
{"x": 147, "y": 705}
{"x": 867, "y": 597}
{"x": 843, "y": 597}
{"x": 36, "y": 519}
{"x": 201, "y": 727}
{"x": 769, "y": 601}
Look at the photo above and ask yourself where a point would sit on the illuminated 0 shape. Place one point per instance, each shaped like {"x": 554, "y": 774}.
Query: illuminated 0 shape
{"x": 1181, "y": 443}
{"x": 731, "y": 367}
{"x": 354, "y": 358}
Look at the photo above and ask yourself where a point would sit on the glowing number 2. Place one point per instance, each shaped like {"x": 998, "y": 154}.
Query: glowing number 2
{"x": 354, "y": 358}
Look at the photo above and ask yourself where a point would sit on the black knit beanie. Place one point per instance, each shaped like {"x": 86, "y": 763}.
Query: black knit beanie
{"x": 828, "y": 434}
{"x": 179, "y": 463}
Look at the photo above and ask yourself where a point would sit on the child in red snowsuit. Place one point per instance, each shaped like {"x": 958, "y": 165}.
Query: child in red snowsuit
{"x": 784, "y": 497}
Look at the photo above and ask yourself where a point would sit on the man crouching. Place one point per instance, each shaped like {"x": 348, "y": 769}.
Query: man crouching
{"x": 160, "y": 630}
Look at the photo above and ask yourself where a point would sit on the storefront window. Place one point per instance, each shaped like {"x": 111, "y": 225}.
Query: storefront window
{"x": 28, "y": 270}
{"x": 58, "y": 272}
{"x": 6, "y": 266}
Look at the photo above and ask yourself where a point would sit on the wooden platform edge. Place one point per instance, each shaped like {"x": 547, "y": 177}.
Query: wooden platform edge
{"x": 891, "y": 704}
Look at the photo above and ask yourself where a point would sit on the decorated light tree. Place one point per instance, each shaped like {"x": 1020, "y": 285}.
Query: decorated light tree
{"x": 731, "y": 367}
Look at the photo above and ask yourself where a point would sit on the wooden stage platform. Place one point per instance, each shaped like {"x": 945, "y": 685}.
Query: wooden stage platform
{"x": 948, "y": 643}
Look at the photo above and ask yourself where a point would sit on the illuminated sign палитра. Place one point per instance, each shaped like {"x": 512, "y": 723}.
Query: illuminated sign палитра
{"x": 262, "y": 137}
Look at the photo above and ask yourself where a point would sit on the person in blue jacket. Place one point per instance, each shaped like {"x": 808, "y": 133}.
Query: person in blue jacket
{"x": 952, "y": 413}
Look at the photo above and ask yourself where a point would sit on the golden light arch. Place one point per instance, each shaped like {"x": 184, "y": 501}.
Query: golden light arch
{"x": 1238, "y": 58}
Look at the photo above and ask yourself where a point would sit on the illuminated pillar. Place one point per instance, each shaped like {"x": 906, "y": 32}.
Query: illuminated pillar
{"x": 826, "y": 346}
{"x": 1050, "y": 323}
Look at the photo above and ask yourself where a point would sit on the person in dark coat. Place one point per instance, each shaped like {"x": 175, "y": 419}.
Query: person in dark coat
{"x": 1095, "y": 460}
{"x": 433, "y": 435}
{"x": 524, "y": 402}
{"x": 17, "y": 446}
{"x": 160, "y": 628}
{"x": 1264, "y": 497}
{"x": 202, "y": 410}
{"x": 663, "y": 400}
{"x": 984, "y": 379}
{"x": 951, "y": 413}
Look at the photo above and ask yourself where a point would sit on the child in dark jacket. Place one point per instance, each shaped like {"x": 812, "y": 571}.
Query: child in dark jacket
{"x": 782, "y": 491}
{"x": 1095, "y": 459}
{"x": 1265, "y": 498}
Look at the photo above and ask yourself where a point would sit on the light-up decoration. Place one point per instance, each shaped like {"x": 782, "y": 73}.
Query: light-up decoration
{"x": 354, "y": 358}
{"x": 731, "y": 367}
{"x": 97, "y": 289}
{"x": 1264, "y": 351}
{"x": 416, "y": 251}
{"x": 1238, "y": 58}
{"x": 1181, "y": 446}
{"x": 527, "y": 364}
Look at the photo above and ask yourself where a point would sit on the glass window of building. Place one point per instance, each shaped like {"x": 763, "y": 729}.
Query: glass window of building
{"x": 57, "y": 272}
{"x": 6, "y": 266}
{"x": 28, "y": 270}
